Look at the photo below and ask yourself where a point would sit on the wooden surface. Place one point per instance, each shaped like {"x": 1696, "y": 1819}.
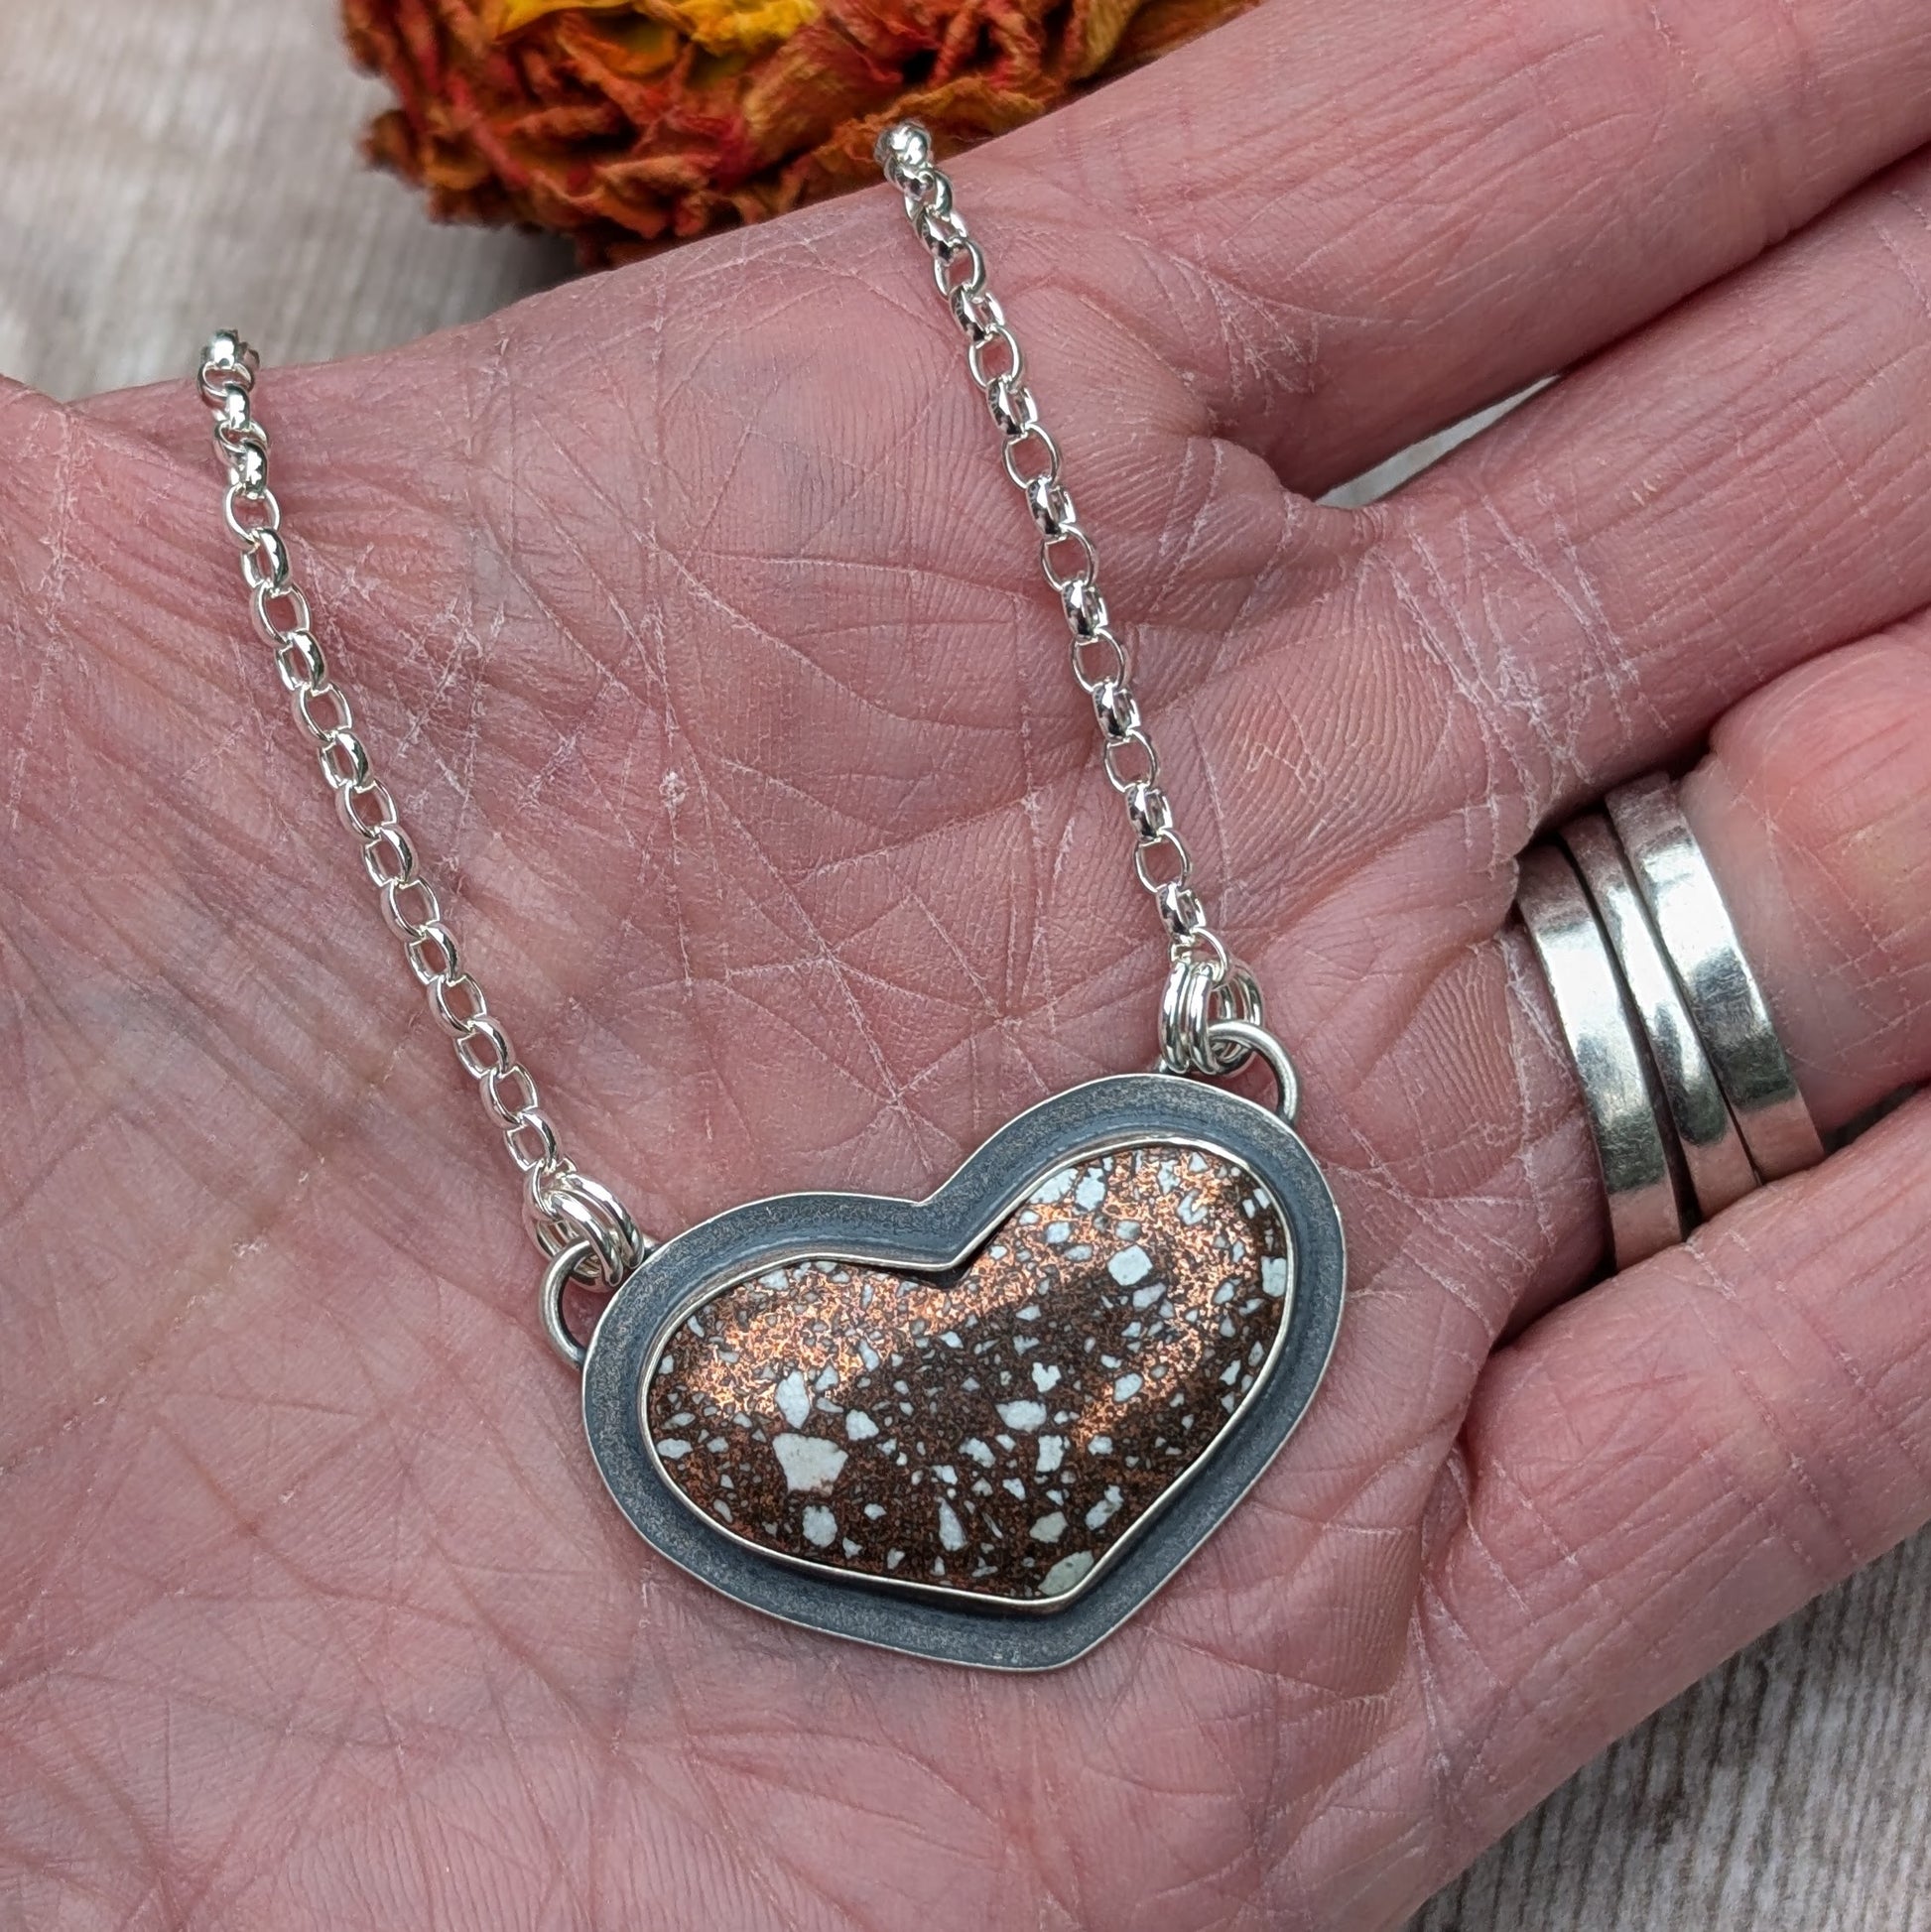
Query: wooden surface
{"x": 169, "y": 167}
{"x": 170, "y": 164}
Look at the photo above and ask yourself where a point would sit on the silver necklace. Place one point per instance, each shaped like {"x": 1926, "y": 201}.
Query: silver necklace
{"x": 983, "y": 1427}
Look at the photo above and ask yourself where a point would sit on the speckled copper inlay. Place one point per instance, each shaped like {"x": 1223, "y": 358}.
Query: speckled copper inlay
{"x": 999, "y": 1429}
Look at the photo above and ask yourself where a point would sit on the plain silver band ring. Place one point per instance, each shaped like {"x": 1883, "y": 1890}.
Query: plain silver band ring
{"x": 1625, "y": 1111}
{"x": 1726, "y": 1006}
{"x": 1714, "y": 1156}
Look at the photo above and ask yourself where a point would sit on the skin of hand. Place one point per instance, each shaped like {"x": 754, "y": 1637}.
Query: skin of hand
{"x": 692, "y": 621}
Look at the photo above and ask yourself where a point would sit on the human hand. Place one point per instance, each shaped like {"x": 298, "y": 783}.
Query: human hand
{"x": 692, "y": 620}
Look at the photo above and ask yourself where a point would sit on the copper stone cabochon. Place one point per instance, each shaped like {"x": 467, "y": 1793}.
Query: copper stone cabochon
{"x": 999, "y": 1429}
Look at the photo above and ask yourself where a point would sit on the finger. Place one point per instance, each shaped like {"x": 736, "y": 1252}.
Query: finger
{"x": 1350, "y": 226}
{"x": 1742, "y": 487}
{"x": 1815, "y": 809}
{"x": 1664, "y": 1468}
{"x": 1344, "y": 227}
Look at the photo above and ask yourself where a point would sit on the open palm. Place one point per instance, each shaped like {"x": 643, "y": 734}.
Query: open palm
{"x": 693, "y": 621}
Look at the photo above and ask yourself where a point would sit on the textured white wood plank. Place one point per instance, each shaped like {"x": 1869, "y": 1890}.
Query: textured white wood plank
{"x": 170, "y": 164}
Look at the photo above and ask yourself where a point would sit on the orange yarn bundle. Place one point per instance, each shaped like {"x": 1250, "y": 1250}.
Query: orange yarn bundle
{"x": 625, "y": 123}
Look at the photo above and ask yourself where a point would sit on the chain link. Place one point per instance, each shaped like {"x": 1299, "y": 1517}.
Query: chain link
{"x": 566, "y": 1212}
{"x": 1206, "y": 985}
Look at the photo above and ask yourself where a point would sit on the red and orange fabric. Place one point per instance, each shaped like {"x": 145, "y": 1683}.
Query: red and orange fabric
{"x": 625, "y": 123}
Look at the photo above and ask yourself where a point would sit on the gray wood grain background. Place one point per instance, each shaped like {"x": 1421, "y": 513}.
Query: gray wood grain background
{"x": 169, "y": 165}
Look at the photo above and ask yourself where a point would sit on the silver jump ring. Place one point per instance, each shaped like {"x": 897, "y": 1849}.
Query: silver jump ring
{"x": 550, "y": 1301}
{"x": 570, "y": 1210}
{"x": 1725, "y": 1001}
{"x": 1251, "y": 1039}
{"x": 1201, "y": 995}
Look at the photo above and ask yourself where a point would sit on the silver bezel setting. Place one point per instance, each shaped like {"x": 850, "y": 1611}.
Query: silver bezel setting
{"x": 928, "y": 1235}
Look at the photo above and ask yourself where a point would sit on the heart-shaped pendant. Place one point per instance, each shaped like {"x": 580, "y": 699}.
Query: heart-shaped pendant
{"x": 983, "y": 1427}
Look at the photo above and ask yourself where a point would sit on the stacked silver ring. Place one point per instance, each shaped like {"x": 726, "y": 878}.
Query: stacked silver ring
{"x": 1688, "y": 1089}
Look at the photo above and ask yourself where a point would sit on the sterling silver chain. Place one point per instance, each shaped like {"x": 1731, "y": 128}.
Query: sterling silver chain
{"x": 1211, "y": 1010}
{"x": 568, "y": 1213}
{"x": 1207, "y": 986}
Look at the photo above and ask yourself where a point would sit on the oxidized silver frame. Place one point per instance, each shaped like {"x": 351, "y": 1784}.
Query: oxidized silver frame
{"x": 926, "y": 1236}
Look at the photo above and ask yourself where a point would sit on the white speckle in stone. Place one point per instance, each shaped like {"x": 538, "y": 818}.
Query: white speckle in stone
{"x": 722, "y": 1509}
{"x": 1146, "y": 1297}
{"x": 1091, "y": 1192}
{"x": 1193, "y": 1210}
{"x": 1045, "y": 1377}
{"x": 808, "y": 1461}
{"x": 1030, "y": 1313}
{"x": 1101, "y": 1445}
{"x": 849, "y": 1547}
{"x": 1022, "y": 1415}
{"x": 945, "y": 1475}
{"x": 868, "y": 1354}
{"x": 794, "y": 1399}
{"x": 1080, "y": 1251}
{"x": 1126, "y": 1230}
{"x": 821, "y": 1527}
{"x": 1049, "y": 1529}
{"x": 1058, "y": 1232}
{"x": 977, "y": 1451}
{"x": 1232, "y": 1372}
{"x": 1126, "y": 1388}
{"x": 997, "y": 1251}
{"x": 1067, "y": 1572}
{"x": 827, "y": 1377}
{"x": 1129, "y": 1266}
{"x": 775, "y": 1279}
{"x": 1014, "y": 1488}
{"x": 1273, "y": 1276}
{"x": 951, "y": 1338}
{"x": 1105, "y": 1510}
{"x": 1052, "y": 1453}
{"x": 666, "y": 1365}
{"x": 1054, "y": 1187}
{"x": 1256, "y": 1356}
{"x": 951, "y": 1532}
{"x": 874, "y": 1510}
{"x": 859, "y": 1426}
{"x": 893, "y": 1558}
{"x": 717, "y": 1445}
{"x": 671, "y": 1449}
